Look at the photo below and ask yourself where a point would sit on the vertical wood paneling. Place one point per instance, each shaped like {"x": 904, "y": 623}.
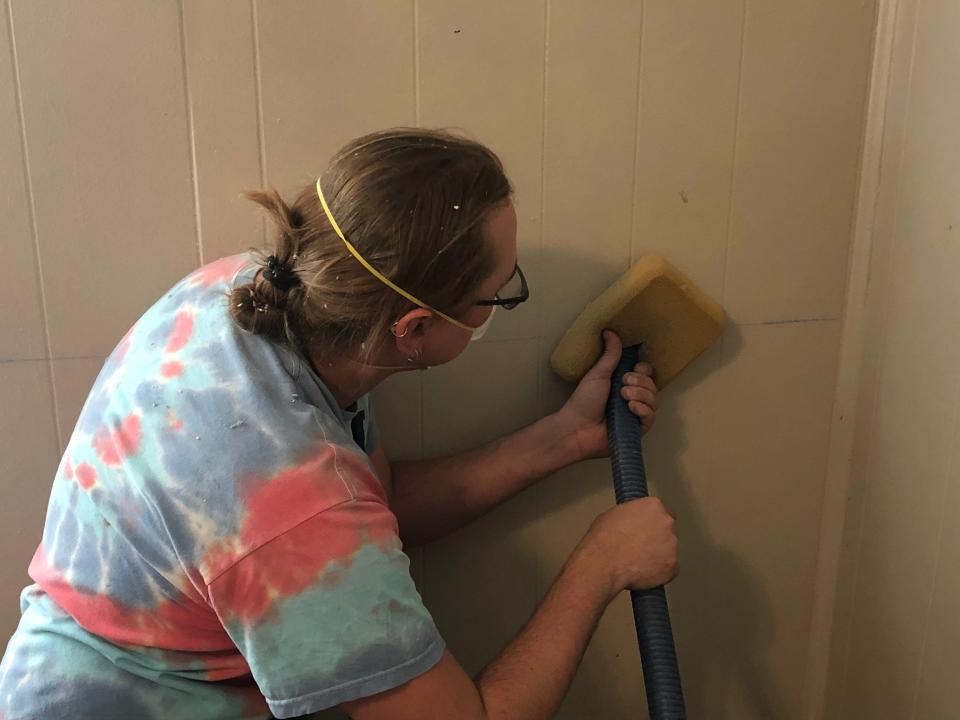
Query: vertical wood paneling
{"x": 617, "y": 120}
{"x": 752, "y": 604}
{"x": 28, "y": 438}
{"x": 910, "y": 475}
{"x": 609, "y": 676}
{"x": 481, "y": 72}
{"x": 110, "y": 162}
{"x": 589, "y": 146}
{"x": 593, "y": 56}
{"x": 688, "y": 106}
{"x": 478, "y": 583}
{"x": 27, "y": 465}
{"x": 396, "y": 405}
{"x": 841, "y": 490}
{"x": 21, "y": 322}
{"x": 935, "y": 113}
{"x": 937, "y": 695}
{"x": 681, "y": 456}
{"x": 74, "y": 377}
{"x": 220, "y": 61}
{"x": 874, "y": 334}
{"x": 505, "y": 369}
{"x": 592, "y": 81}
{"x": 805, "y": 68}
{"x": 329, "y": 72}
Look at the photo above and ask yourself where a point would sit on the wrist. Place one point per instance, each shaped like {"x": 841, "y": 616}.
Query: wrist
{"x": 589, "y": 566}
{"x": 567, "y": 447}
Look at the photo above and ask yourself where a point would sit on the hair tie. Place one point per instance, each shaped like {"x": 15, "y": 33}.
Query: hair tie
{"x": 279, "y": 274}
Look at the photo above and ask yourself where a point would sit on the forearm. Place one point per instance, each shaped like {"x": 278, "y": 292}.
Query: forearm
{"x": 434, "y": 497}
{"x": 530, "y": 678}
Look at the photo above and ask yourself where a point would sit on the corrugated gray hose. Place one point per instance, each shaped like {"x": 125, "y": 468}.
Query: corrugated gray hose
{"x": 661, "y": 674}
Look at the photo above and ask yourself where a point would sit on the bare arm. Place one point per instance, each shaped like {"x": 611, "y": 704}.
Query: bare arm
{"x": 632, "y": 545}
{"x": 527, "y": 681}
{"x": 434, "y": 497}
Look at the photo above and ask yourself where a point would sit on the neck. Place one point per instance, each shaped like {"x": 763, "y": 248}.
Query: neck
{"x": 348, "y": 379}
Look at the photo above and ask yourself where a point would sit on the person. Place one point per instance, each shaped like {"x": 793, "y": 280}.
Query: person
{"x": 225, "y": 533}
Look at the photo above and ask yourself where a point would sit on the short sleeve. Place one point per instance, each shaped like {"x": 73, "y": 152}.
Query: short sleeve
{"x": 327, "y": 612}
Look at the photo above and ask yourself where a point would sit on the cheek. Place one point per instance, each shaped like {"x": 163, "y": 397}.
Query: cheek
{"x": 447, "y": 345}
{"x": 479, "y": 315}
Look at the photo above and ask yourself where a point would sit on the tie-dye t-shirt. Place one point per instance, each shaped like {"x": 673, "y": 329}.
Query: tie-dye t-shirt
{"x": 217, "y": 544}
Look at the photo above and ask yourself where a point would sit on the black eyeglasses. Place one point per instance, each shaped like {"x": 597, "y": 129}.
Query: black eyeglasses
{"x": 514, "y": 292}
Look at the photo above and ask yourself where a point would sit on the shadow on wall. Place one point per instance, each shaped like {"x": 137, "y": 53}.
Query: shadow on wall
{"x": 495, "y": 570}
{"x": 720, "y": 613}
{"x": 722, "y": 619}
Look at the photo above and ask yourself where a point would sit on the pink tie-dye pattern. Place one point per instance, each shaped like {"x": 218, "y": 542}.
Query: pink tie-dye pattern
{"x": 113, "y": 446}
{"x": 182, "y": 330}
{"x": 171, "y": 369}
{"x": 340, "y": 520}
{"x": 182, "y": 624}
{"x": 86, "y": 475}
{"x": 265, "y": 537}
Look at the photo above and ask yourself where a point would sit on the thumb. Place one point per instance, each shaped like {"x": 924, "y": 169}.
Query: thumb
{"x": 612, "y": 348}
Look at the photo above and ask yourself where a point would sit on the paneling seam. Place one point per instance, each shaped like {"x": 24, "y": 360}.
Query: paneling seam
{"x": 31, "y": 201}
{"x": 191, "y": 132}
{"x": 733, "y": 154}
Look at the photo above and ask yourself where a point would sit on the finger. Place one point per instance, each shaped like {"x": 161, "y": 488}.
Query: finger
{"x": 612, "y": 347}
{"x": 644, "y": 369}
{"x": 640, "y": 394}
{"x": 640, "y": 409}
{"x": 640, "y": 380}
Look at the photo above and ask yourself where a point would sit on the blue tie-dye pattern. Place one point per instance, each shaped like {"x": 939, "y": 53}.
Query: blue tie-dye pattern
{"x": 141, "y": 534}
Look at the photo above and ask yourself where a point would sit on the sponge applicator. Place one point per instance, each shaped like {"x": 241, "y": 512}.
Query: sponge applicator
{"x": 661, "y": 316}
{"x": 653, "y": 304}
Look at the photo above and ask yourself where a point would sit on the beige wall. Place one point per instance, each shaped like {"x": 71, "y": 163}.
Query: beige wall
{"x": 722, "y": 134}
{"x": 896, "y": 641}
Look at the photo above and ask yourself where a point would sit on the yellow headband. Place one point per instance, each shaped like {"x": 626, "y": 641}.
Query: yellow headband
{"x": 379, "y": 275}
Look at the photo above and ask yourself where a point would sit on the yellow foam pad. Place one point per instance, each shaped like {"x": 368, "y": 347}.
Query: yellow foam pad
{"x": 653, "y": 304}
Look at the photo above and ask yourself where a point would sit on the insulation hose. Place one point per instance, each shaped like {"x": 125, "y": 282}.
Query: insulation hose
{"x": 661, "y": 674}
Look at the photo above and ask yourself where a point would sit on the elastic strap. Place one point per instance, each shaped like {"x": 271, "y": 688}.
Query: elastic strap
{"x": 379, "y": 275}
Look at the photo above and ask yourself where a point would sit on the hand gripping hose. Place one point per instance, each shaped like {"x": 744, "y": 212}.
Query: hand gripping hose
{"x": 661, "y": 675}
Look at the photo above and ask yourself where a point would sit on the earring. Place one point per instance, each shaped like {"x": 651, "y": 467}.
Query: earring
{"x": 417, "y": 355}
{"x": 393, "y": 330}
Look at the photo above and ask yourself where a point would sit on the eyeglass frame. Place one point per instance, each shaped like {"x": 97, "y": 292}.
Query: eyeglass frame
{"x": 511, "y": 302}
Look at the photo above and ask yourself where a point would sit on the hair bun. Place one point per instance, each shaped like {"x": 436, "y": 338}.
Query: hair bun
{"x": 279, "y": 274}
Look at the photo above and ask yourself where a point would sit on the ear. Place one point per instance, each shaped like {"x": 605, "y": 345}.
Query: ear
{"x": 408, "y": 331}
